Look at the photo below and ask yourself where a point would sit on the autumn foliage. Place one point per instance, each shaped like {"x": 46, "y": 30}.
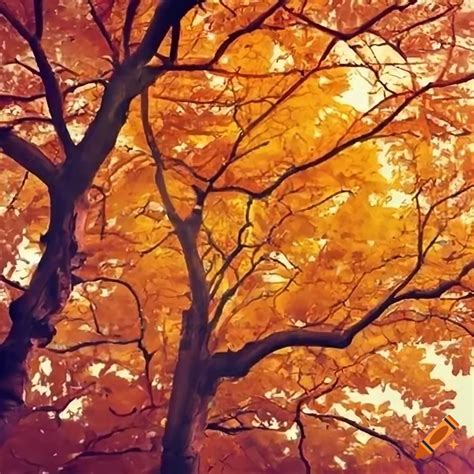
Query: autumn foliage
{"x": 226, "y": 226}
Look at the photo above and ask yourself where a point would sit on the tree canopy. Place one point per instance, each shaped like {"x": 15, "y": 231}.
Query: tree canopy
{"x": 226, "y": 226}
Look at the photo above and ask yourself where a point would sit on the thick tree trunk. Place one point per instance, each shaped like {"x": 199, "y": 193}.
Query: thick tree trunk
{"x": 190, "y": 397}
{"x": 182, "y": 443}
{"x": 32, "y": 312}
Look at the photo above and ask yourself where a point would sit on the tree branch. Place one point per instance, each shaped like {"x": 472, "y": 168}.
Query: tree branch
{"x": 397, "y": 444}
{"x": 175, "y": 34}
{"x": 167, "y": 14}
{"x": 358, "y": 30}
{"x": 94, "y": 343}
{"x": 127, "y": 81}
{"x": 293, "y": 170}
{"x": 11, "y": 283}
{"x": 238, "y": 364}
{"x": 301, "y": 440}
{"x": 252, "y": 26}
{"x": 38, "y": 4}
{"x": 7, "y": 98}
{"x": 51, "y": 86}
{"x": 226, "y": 44}
{"x": 28, "y": 156}
{"x": 105, "y": 34}
{"x": 156, "y": 154}
{"x": 127, "y": 26}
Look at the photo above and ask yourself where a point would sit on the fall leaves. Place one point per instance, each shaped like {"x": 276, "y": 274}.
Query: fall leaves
{"x": 292, "y": 190}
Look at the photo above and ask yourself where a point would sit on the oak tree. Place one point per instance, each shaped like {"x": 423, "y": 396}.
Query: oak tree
{"x": 224, "y": 224}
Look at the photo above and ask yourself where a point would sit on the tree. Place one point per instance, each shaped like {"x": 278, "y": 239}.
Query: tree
{"x": 223, "y": 221}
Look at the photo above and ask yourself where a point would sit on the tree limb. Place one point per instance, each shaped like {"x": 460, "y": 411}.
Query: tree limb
{"x": 364, "y": 137}
{"x": 28, "y": 156}
{"x": 127, "y": 26}
{"x": 128, "y": 81}
{"x": 11, "y": 283}
{"x": 225, "y": 45}
{"x": 64, "y": 92}
{"x": 156, "y": 154}
{"x": 167, "y": 14}
{"x": 238, "y": 364}
{"x": 344, "y": 36}
{"x": 175, "y": 34}
{"x": 397, "y": 444}
{"x": 51, "y": 86}
{"x": 38, "y": 4}
{"x": 105, "y": 34}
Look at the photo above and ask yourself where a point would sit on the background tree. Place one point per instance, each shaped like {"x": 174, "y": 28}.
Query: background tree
{"x": 220, "y": 267}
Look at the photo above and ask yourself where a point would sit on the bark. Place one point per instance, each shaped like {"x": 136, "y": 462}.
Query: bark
{"x": 190, "y": 397}
{"x": 192, "y": 387}
{"x": 31, "y": 313}
{"x": 239, "y": 363}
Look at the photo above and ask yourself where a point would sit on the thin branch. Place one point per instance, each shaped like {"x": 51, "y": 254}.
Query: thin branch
{"x": 127, "y": 26}
{"x": 175, "y": 34}
{"x": 62, "y": 403}
{"x": 296, "y": 169}
{"x": 252, "y": 26}
{"x": 302, "y": 437}
{"x": 38, "y": 4}
{"x": 155, "y": 152}
{"x": 118, "y": 281}
{"x": 121, "y": 452}
{"x": 424, "y": 21}
{"x": 219, "y": 275}
{"x": 397, "y": 444}
{"x": 19, "y": 190}
{"x": 225, "y": 45}
{"x": 156, "y": 245}
{"x": 27, "y": 67}
{"x": 358, "y": 30}
{"x": 233, "y": 430}
{"x": 51, "y": 86}
{"x": 11, "y": 283}
{"x": 28, "y": 119}
{"x": 88, "y": 344}
{"x": 230, "y": 293}
{"x": 6, "y": 98}
{"x": 105, "y": 34}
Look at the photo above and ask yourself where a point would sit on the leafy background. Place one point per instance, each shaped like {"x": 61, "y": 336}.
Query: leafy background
{"x": 318, "y": 252}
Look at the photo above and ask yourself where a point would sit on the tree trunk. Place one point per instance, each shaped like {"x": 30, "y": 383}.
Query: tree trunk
{"x": 183, "y": 439}
{"x": 190, "y": 397}
{"x": 31, "y": 313}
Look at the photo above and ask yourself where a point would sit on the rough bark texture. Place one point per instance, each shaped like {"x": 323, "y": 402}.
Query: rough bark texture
{"x": 187, "y": 415}
{"x": 192, "y": 387}
{"x": 33, "y": 312}
{"x": 192, "y": 390}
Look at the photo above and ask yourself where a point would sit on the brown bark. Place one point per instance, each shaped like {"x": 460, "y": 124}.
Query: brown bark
{"x": 32, "y": 313}
{"x": 192, "y": 387}
{"x": 190, "y": 397}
